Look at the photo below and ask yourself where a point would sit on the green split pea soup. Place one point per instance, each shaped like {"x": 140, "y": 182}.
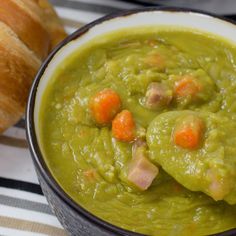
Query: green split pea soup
{"x": 138, "y": 127}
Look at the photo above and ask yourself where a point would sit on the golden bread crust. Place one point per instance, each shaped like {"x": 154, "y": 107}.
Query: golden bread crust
{"x": 18, "y": 67}
{"x": 44, "y": 10}
{"x": 30, "y": 30}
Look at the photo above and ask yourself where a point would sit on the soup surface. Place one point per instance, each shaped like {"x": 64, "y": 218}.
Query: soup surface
{"x": 138, "y": 127}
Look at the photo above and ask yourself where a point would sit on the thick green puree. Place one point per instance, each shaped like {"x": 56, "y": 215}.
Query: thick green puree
{"x": 138, "y": 127}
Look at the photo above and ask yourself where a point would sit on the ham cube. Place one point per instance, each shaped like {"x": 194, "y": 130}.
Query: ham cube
{"x": 141, "y": 171}
{"x": 157, "y": 96}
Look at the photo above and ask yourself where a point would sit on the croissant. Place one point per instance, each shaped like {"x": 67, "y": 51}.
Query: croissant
{"x": 29, "y": 29}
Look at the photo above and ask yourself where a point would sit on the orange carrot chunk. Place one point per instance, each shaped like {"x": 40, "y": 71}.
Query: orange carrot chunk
{"x": 187, "y": 86}
{"x": 123, "y": 126}
{"x": 90, "y": 174}
{"x": 188, "y": 133}
{"x": 156, "y": 60}
{"x": 105, "y": 105}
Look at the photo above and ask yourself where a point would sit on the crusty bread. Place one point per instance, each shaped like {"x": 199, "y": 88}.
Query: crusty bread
{"x": 52, "y": 22}
{"x": 18, "y": 66}
{"x": 26, "y": 36}
{"x": 30, "y": 30}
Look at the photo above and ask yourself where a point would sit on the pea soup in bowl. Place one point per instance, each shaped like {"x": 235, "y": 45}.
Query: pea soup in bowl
{"x": 131, "y": 123}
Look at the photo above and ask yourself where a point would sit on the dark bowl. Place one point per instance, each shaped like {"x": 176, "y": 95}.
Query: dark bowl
{"x": 74, "y": 218}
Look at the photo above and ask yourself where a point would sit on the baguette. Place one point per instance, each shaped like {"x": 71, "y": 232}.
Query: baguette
{"x": 29, "y": 29}
{"x": 52, "y": 22}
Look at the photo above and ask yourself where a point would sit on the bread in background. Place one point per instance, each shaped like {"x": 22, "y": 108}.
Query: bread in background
{"x": 29, "y": 29}
{"x": 52, "y": 22}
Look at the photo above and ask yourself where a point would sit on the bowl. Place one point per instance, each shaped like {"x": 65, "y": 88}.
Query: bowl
{"x": 74, "y": 218}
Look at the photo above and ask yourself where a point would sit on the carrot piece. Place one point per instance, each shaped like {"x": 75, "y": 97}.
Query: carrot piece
{"x": 123, "y": 126}
{"x": 187, "y": 86}
{"x": 188, "y": 133}
{"x": 151, "y": 42}
{"x": 105, "y": 105}
{"x": 156, "y": 60}
{"x": 90, "y": 174}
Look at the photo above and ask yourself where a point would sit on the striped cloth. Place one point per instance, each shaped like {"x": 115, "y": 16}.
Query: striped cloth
{"x": 23, "y": 208}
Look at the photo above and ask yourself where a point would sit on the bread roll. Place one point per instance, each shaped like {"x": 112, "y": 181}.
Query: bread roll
{"x": 27, "y": 27}
{"x": 57, "y": 34}
{"x": 28, "y": 30}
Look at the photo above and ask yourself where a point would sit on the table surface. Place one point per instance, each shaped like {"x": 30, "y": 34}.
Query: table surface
{"x": 23, "y": 208}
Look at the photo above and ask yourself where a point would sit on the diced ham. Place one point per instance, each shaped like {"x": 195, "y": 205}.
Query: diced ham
{"x": 141, "y": 171}
{"x": 157, "y": 96}
{"x": 217, "y": 188}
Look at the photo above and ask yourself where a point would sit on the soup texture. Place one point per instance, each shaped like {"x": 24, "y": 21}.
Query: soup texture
{"x": 138, "y": 127}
